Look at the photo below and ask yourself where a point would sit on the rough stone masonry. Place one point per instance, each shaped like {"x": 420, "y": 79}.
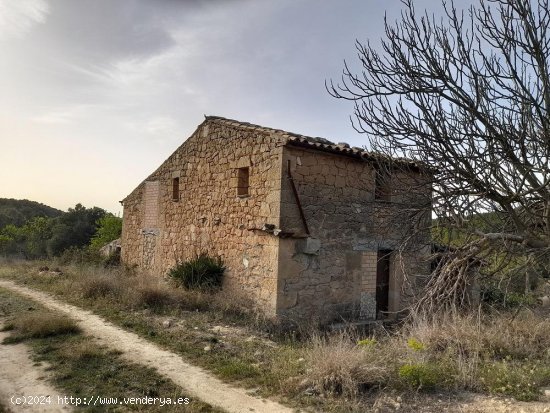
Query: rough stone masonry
{"x": 306, "y": 228}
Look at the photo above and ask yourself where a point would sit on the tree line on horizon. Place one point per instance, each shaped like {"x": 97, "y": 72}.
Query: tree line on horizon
{"x": 32, "y": 230}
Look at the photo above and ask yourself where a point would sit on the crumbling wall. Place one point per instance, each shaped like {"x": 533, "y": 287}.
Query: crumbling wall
{"x": 332, "y": 273}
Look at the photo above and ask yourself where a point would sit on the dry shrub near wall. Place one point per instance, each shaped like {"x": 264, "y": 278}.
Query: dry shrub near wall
{"x": 154, "y": 297}
{"x": 137, "y": 291}
{"x": 100, "y": 286}
{"x": 159, "y": 295}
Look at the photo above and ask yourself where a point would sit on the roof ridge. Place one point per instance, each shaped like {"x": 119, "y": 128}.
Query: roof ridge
{"x": 318, "y": 143}
{"x": 267, "y": 128}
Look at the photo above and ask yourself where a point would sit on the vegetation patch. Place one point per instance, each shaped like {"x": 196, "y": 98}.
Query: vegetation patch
{"x": 156, "y": 298}
{"x": 521, "y": 380}
{"x": 201, "y": 272}
{"x": 421, "y": 376}
{"x": 101, "y": 286}
{"x": 238, "y": 370}
{"x": 81, "y": 368}
{"x": 330, "y": 371}
{"x": 39, "y": 325}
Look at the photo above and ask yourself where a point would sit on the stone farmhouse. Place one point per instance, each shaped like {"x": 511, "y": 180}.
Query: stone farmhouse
{"x": 305, "y": 227}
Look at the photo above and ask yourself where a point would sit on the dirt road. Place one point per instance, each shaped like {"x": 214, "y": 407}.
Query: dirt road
{"x": 22, "y": 384}
{"x": 196, "y": 381}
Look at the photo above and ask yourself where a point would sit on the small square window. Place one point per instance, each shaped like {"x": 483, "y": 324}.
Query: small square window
{"x": 175, "y": 189}
{"x": 243, "y": 178}
{"x": 382, "y": 185}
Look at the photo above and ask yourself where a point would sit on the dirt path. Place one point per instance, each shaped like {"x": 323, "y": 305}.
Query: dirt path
{"x": 194, "y": 380}
{"x": 19, "y": 377}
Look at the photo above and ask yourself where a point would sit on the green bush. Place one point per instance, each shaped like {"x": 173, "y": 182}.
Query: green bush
{"x": 109, "y": 228}
{"x": 367, "y": 342}
{"x": 421, "y": 375}
{"x": 496, "y": 297}
{"x": 202, "y": 272}
{"x": 415, "y": 345}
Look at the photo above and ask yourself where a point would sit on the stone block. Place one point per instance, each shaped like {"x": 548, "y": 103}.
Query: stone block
{"x": 309, "y": 246}
{"x": 368, "y": 306}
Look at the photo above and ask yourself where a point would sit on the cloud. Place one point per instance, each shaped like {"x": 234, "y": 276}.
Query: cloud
{"x": 17, "y": 17}
{"x": 68, "y": 114}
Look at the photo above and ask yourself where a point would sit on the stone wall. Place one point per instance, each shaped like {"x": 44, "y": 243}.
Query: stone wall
{"x": 232, "y": 190}
{"x": 349, "y": 226}
{"x": 209, "y": 216}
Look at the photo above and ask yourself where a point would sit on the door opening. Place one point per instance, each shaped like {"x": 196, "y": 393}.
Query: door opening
{"x": 383, "y": 283}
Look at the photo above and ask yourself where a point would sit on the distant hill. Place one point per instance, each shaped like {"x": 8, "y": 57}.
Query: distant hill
{"x": 19, "y": 211}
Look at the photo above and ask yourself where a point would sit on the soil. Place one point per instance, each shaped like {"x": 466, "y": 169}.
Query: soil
{"x": 21, "y": 377}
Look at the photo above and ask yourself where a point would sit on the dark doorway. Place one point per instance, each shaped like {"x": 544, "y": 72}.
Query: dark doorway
{"x": 382, "y": 283}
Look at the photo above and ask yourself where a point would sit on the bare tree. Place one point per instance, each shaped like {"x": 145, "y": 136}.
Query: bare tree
{"x": 468, "y": 95}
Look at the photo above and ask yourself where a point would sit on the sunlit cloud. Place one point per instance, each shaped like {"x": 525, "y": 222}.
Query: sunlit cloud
{"x": 17, "y": 17}
{"x": 68, "y": 114}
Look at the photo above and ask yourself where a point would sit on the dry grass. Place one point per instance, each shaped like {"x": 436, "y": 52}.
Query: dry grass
{"x": 479, "y": 352}
{"x": 338, "y": 365}
{"x": 524, "y": 335}
{"x": 40, "y": 325}
{"x": 100, "y": 286}
{"x": 82, "y": 350}
{"x": 487, "y": 352}
{"x": 497, "y": 353}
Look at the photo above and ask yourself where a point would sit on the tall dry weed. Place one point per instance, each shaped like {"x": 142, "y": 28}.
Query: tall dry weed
{"x": 338, "y": 365}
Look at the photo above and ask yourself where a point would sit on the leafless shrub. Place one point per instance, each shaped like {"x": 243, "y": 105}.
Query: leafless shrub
{"x": 99, "y": 286}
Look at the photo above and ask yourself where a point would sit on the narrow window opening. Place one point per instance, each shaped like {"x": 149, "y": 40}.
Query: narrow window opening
{"x": 175, "y": 189}
{"x": 382, "y": 185}
{"x": 243, "y": 178}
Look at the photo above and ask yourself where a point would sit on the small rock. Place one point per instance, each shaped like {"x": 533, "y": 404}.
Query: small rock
{"x": 310, "y": 391}
{"x": 167, "y": 323}
{"x": 207, "y": 348}
{"x": 301, "y": 360}
{"x": 195, "y": 328}
{"x": 545, "y": 301}
{"x": 217, "y": 329}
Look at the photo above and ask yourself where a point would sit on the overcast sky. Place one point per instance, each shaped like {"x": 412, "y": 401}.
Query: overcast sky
{"x": 95, "y": 94}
